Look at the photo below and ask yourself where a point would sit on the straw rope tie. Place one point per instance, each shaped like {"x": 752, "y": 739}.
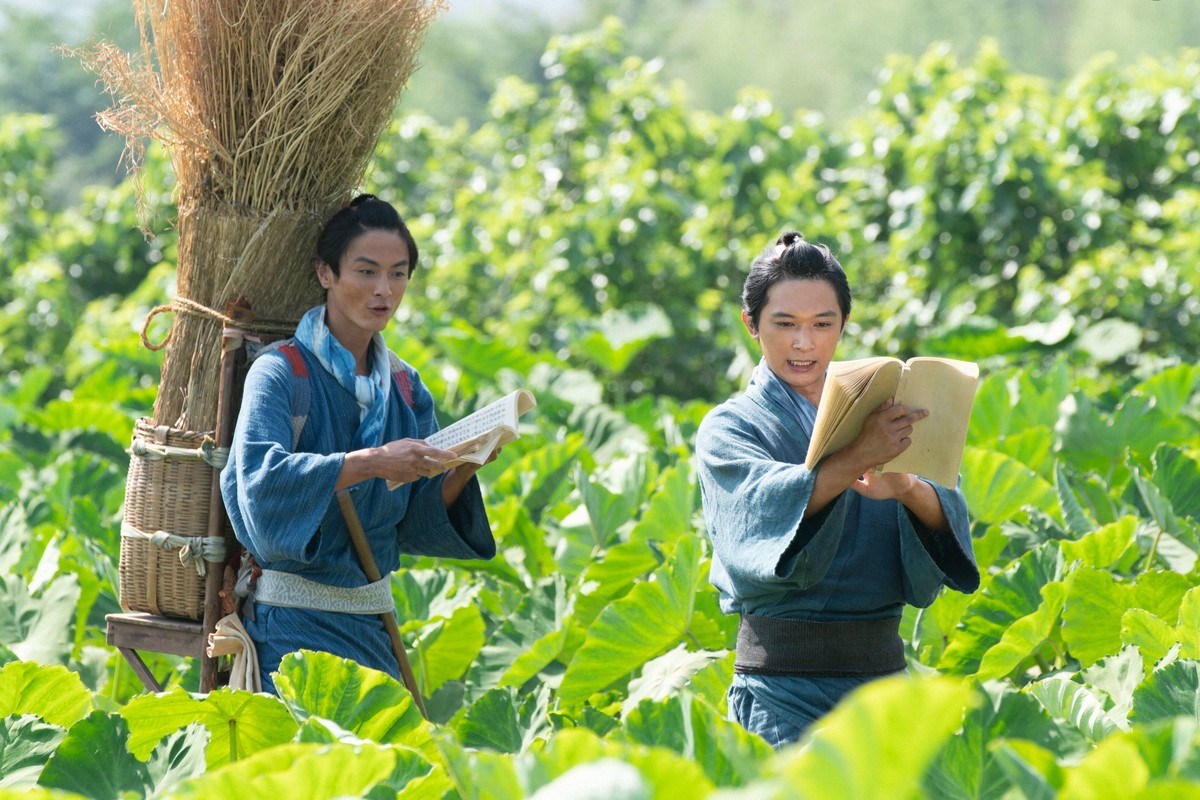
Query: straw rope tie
{"x": 182, "y": 305}
{"x": 193, "y": 550}
{"x": 208, "y": 452}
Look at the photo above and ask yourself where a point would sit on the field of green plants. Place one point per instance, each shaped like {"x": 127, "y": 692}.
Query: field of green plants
{"x": 589, "y": 242}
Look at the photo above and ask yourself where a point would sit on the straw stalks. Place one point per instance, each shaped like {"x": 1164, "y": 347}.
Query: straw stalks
{"x": 269, "y": 111}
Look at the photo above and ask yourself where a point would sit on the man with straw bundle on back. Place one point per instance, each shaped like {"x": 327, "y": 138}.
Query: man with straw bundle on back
{"x": 331, "y": 412}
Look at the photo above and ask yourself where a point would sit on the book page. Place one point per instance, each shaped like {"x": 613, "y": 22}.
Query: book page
{"x": 853, "y": 389}
{"x": 474, "y": 437}
{"x": 946, "y": 388}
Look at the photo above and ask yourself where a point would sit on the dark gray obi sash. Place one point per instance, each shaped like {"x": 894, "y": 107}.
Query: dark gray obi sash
{"x": 776, "y": 646}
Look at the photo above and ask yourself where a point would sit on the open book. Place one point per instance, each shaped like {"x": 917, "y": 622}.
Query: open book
{"x": 475, "y": 437}
{"x": 943, "y": 386}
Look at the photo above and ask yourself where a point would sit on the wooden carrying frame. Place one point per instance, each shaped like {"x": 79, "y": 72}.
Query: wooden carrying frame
{"x": 134, "y": 631}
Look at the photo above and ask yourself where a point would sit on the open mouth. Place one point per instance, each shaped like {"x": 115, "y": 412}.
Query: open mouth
{"x": 800, "y": 364}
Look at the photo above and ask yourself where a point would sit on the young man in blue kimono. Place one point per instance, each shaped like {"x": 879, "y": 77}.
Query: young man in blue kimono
{"x": 334, "y": 409}
{"x": 819, "y": 563}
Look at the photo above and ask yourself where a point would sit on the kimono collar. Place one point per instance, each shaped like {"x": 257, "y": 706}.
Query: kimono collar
{"x": 371, "y": 391}
{"x": 791, "y": 402}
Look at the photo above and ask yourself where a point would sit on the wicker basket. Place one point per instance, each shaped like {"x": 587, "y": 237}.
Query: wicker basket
{"x": 164, "y": 542}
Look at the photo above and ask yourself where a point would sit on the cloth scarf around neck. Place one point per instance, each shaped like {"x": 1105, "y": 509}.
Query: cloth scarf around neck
{"x": 371, "y": 391}
{"x": 784, "y": 396}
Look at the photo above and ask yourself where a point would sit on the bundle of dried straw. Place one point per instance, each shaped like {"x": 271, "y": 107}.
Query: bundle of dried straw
{"x": 270, "y": 110}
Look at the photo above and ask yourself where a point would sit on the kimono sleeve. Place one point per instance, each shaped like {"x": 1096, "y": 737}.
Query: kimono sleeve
{"x": 428, "y": 527}
{"x": 932, "y": 559}
{"x": 275, "y": 497}
{"x": 754, "y": 507}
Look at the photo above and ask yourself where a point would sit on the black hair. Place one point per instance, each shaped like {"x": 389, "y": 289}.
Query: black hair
{"x": 793, "y": 258}
{"x": 364, "y": 213}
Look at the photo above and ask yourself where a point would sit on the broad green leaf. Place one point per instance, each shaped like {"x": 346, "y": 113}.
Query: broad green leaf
{"x": 37, "y": 625}
{"x": 541, "y": 613}
{"x": 1024, "y": 636}
{"x": 53, "y": 693}
{"x": 1009, "y": 596}
{"x": 1104, "y": 546}
{"x": 239, "y": 723}
{"x": 298, "y": 772}
{"x": 728, "y": 754}
{"x": 966, "y": 768}
{"x": 868, "y": 746}
{"x": 26, "y": 744}
{"x": 478, "y": 774}
{"x": 1151, "y": 633}
{"x": 1069, "y": 701}
{"x": 612, "y": 499}
{"x": 602, "y": 779}
{"x": 178, "y": 757}
{"x": 1177, "y": 475}
{"x": 447, "y": 648}
{"x": 1074, "y": 515}
{"x": 366, "y": 702}
{"x": 1153, "y": 637}
{"x": 644, "y": 624}
{"x": 997, "y": 487}
{"x": 93, "y": 760}
{"x": 505, "y": 721}
{"x": 666, "y": 675}
{"x": 611, "y": 576}
{"x": 1115, "y": 762}
{"x": 669, "y": 775}
{"x": 1091, "y": 620}
{"x": 1110, "y": 339}
{"x": 1171, "y": 691}
{"x": 620, "y": 334}
{"x": 711, "y": 683}
{"x": 1030, "y": 769}
{"x": 1118, "y": 677}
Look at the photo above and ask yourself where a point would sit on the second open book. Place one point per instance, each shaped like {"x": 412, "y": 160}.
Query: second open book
{"x": 943, "y": 386}
{"x": 473, "y": 438}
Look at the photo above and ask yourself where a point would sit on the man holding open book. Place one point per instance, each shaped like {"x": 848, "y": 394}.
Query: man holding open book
{"x": 818, "y": 561}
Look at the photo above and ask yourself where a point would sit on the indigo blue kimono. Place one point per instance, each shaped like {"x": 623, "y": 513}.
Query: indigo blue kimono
{"x": 282, "y": 506}
{"x": 856, "y": 558}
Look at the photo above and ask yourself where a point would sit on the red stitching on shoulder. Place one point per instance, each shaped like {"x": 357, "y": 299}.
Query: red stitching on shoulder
{"x": 299, "y": 368}
{"x": 404, "y": 384}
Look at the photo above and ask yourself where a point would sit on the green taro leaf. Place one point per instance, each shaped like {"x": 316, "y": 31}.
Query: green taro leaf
{"x": 53, "y": 693}
{"x": 1091, "y": 621}
{"x": 1022, "y": 639}
{"x": 669, "y": 775}
{"x": 506, "y": 721}
{"x": 644, "y": 624}
{"x": 93, "y": 760}
{"x": 998, "y": 487}
{"x": 298, "y": 772}
{"x": 1104, "y": 546}
{"x": 966, "y": 766}
{"x": 26, "y": 744}
{"x": 36, "y": 625}
{"x": 1073, "y": 703}
{"x": 366, "y": 702}
{"x": 855, "y": 750}
{"x": 1030, "y": 769}
{"x": 1171, "y": 691}
{"x": 178, "y": 757}
{"x": 728, "y": 754}
{"x": 1009, "y": 596}
{"x": 540, "y": 614}
{"x": 620, "y": 334}
{"x": 1118, "y": 677}
{"x": 448, "y": 647}
{"x": 666, "y": 675}
{"x": 239, "y": 723}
